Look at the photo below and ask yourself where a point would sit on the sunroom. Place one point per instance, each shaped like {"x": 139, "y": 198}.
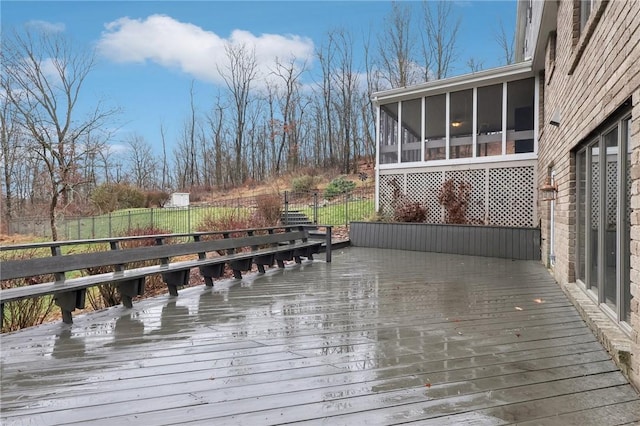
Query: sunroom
{"x": 479, "y": 129}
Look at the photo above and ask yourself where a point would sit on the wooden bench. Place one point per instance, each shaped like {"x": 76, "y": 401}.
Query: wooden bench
{"x": 263, "y": 247}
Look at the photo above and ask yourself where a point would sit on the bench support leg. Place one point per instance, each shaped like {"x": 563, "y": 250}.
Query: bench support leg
{"x": 209, "y": 272}
{"x": 238, "y": 266}
{"x": 262, "y": 261}
{"x": 68, "y": 302}
{"x": 176, "y": 279}
{"x": 282, "y": 256}
{"x": 130, "y": 289}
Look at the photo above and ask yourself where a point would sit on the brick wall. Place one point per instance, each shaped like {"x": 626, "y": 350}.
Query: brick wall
{"x": 595, "y": 72}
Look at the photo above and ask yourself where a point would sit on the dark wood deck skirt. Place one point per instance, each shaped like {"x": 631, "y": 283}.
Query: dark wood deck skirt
{"x": 376, "y": 337}
{"x": 472, "y": 240}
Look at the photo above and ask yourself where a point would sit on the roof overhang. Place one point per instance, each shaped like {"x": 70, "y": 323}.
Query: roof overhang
{"x": 482, "y": 78}
{"x": 548, "y": 23}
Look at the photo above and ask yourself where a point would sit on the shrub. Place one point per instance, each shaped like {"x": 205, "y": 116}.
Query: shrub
{"x": 304, "y": 183}
{"x": 454, "y": 197}
{"x": 338, "y": 186}
{"x": 269, "y": 209}
{"x": 409, "y": 211}
{"x": 228, "y": 221}
{"x": 26, "y": 312}
{"x": 378, "y": 216}
{"x": 107, "y": 295}
{"x": 156, "y": 198}
{"x": 115, "y": 196}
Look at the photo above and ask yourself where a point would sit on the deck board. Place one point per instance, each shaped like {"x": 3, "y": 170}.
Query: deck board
{"x": 376, "y": 337}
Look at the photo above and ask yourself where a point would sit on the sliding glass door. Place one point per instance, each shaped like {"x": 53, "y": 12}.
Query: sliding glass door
{"x": 603, "y": 218}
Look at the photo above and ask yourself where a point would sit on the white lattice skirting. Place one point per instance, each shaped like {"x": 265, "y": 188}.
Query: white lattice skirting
{"x": 501, "y": 196}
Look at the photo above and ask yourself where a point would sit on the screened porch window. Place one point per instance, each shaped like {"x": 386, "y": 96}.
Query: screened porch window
{"x": 389, "y": 133}
{"x": 520, "y": 101}
{"x": 483, "y": 121}
{"x": 461, "y": 131}
{"x": 489, "y": 137}
{"x": 435, "y": 127}
{"x": 411, "y": 130}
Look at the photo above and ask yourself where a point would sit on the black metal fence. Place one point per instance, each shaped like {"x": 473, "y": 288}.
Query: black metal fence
{"x": 296, "y": 207}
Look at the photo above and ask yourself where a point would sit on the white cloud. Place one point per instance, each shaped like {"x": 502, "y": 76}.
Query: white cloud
{"x": 49, "y": 27}
{"x": 200, "y": 53}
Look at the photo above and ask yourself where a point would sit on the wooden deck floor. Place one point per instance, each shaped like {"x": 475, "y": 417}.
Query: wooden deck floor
{"x": 376, "y": 337}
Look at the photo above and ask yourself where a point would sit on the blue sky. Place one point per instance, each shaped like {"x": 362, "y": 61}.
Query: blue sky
{"x": 150, "y": 52}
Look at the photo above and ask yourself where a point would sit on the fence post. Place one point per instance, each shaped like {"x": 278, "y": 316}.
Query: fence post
{"x": 286, "y": 208}
{"x": 315, "y": 208}
{"x": 346, "y": 209}
{"x": 110, "y": 226}
{"x": 78, "y": 219}
{"x": 189, "y": 218}
{"x": 129, "y": 222}
{"x": 327, "y": 240}
{"x": 151, "y": 221}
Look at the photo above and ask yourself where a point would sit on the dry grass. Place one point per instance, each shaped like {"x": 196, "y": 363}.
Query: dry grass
{"x": 278, "y": 185}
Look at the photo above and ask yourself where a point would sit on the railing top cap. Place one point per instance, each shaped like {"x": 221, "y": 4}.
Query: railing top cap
{"x": 49, "y": 244}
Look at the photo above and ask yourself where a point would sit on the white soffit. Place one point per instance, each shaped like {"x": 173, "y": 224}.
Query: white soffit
{"x": 481, "y": 78}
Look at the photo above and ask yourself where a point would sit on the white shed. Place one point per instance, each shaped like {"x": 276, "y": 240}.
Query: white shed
{"x": 178, "y": 199}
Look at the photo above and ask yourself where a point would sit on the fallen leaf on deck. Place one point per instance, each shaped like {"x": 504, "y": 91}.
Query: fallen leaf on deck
{"x": 538, "y": 300}
{"x": 427, "y": 385}
{"x": 518, "y": 308}
{"x": 517, "y": 334}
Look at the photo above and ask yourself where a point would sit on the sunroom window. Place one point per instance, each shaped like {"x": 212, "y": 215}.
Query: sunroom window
{"x": 520, "y": 96}
{"x": 389, "y": 133}
{"x": 435, "y": 141}
{"x": 411, "y": 130}
{"x": 483, "y": 121}
{"x": 461, "y": 120}
{"x": 489, "y": 137}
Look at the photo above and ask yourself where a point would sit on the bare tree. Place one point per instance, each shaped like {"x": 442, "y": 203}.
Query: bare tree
{"x": 396, "y": 45}
{"x": 238, "y": 76}
{"x": 165, "y": 166}
{"x": 368, "y": 109}
{"x": 345, "y": 79}
{"x": 186, "y": 151}
{"x": 46, "y": 76}
{"x": 290, "y": 75}
{"x": 326, "y": 58}
{"x": 10, "y": 151}
{"x": 216, "y": 123}
{"x": 441, "y": 36}
{"x": 505, "y": 43}
{"x": 475, "y": 65}
{"x": 142, "y": 163}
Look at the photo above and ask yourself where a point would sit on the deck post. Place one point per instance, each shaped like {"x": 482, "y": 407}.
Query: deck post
{"x": 327, "y": 252}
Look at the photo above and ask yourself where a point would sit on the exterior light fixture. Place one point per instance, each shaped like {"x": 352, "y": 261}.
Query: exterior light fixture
{"x": 548, "y": 191}
{"x": 456, "y": 123}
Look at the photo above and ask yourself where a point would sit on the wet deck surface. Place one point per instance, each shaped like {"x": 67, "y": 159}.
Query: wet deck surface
{"x": 376, "y": 337}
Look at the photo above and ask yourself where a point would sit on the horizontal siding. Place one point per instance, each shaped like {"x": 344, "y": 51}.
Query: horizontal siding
{"x": 489, "y": 241}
